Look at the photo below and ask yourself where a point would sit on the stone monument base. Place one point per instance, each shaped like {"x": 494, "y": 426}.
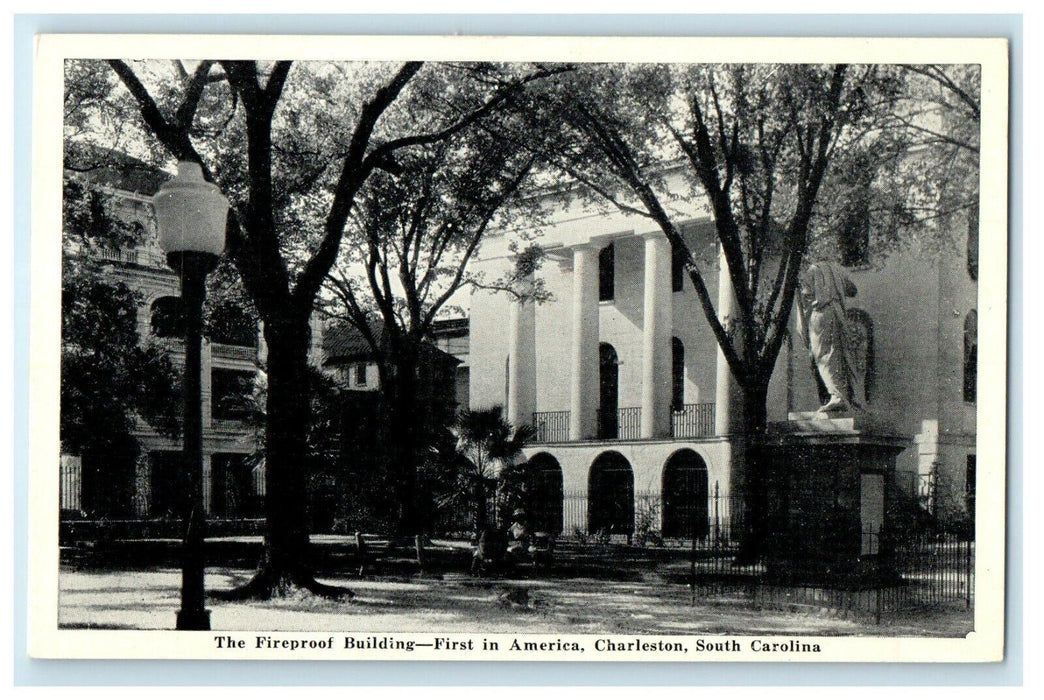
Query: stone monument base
{"x": 830, "y": 489}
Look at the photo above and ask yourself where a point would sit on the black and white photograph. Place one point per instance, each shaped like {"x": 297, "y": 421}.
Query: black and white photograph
{"x": 519, "y": 349}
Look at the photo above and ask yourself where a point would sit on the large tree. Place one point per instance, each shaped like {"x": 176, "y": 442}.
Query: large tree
{"x": 760, "y": 145}
{"x": 418, "y": 230}
{"x": 283, "y": 142}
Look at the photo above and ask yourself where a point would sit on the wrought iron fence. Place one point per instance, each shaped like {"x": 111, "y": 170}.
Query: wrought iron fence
{"x": 693, "y": 420}
{"x": 551, "y": 426}
{"x": 918, "y": 569}
{"x": 70, "y": 484}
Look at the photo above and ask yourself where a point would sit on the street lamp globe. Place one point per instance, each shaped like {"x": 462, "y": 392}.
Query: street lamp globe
{"x": 190, "y": 213}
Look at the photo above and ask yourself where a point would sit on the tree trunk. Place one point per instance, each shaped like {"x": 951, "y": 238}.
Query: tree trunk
{"x": 754, "y": 484}
{"x": 402, "y": 434}
{"x": 286, "y": 562}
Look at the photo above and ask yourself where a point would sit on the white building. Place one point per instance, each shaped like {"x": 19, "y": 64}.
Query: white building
{"x": 632, "y": 400}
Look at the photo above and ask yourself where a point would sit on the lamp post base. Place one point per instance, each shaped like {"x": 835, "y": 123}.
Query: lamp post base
{"x": 193, "y": 620}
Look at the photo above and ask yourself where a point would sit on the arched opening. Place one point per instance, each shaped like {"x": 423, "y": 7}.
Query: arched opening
{"x": 608, "y": 392}
{"x": 168, "y": 317}
{"x": 677, "y": 374}
{"x": 543, "y": 494}
{"x": 685, "y": 495}
{"x": 610, "y": 495}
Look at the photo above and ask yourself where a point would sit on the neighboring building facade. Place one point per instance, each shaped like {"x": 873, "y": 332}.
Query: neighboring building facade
{"x": 348, "y": 357}
{"x": 623, "y": 381}
{"x": 231, "y": 354}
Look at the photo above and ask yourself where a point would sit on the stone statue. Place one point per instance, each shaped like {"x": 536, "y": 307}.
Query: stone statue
{"x": 823, "y": 323}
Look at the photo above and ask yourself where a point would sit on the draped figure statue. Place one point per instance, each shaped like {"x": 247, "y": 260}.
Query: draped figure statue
{"x": 823, "y": 323}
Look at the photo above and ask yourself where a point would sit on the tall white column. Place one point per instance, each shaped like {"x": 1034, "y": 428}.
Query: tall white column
{"x": 583, "y": 414}
{"x": 521, "y": 399}
{"x": 656, "y": 337}
{"x": 728, "y": 401}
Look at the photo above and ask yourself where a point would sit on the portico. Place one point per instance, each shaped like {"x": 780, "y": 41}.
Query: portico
{"x": 640, "y": 321}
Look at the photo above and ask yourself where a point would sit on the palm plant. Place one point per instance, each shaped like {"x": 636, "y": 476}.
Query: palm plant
{"x": 487, "y": 445}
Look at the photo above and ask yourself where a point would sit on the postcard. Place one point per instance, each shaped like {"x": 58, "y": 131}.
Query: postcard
{"x": 518, "y": 348}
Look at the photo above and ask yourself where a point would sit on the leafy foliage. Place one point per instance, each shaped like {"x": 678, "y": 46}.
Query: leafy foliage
{"x": 487, "y": 448}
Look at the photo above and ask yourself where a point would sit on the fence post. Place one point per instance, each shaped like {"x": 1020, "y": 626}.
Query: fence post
{"x": 967, "y": 574}
{"x": 692, "y": 562}
{"x": 717, "y": 518}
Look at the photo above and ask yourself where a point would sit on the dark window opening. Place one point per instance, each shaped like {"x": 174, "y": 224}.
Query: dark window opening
{"x": 360, "y": 374}
{"x": 168, "y": 318}
{"x": 971, "y": 355}
{"x": 677, "y": 374}
{"x": 678, "y": 256}
{"x": 607, "y": 273}
{"x": 231, "y": 392}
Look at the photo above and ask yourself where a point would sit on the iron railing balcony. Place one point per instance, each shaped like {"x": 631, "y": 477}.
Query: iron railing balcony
{"x": 551, "y": 426}
{"x": 690, "y": 420}
{"x": 693, "y": 420}
{"x": 620, "y": 424}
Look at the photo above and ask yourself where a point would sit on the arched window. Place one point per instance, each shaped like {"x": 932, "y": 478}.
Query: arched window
{"x": 543, "y": 494}
{"x": 971, "y": 354}
{"x": 607, "y": 273}
{"x": 168, "y": 318}
{"x": 677, "y": 374}
{"x": 610, "y": 495}
{"x": 685, "y": 495}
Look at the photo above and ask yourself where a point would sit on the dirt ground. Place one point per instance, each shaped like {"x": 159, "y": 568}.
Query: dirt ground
{"x": 120, "y": 599}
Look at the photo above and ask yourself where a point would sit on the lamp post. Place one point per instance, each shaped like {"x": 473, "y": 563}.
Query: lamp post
{"x": 191, "y": 214}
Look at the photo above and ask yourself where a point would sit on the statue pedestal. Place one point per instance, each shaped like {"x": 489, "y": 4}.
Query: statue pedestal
{"x": 830, "y": 480}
